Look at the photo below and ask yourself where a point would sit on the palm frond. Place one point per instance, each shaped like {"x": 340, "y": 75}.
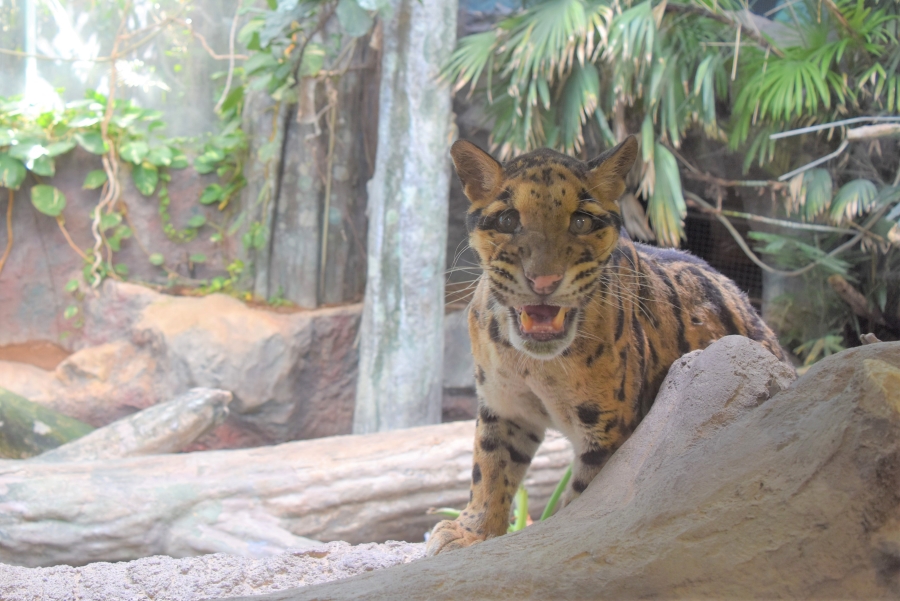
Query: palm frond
{"x": 666, "y": 207}
{"x": 852, "y": 200}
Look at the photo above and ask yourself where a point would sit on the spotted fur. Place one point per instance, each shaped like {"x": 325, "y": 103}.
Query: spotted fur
{"x": 632, "y": 310}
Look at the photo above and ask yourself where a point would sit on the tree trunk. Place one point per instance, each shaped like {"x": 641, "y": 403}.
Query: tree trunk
{"x": 303, "y": 186}
{"x": 401, "y": 348}
{"x": 249, "y": 502}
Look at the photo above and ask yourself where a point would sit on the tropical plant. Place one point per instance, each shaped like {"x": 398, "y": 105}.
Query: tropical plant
{"x": 577, "y": 74}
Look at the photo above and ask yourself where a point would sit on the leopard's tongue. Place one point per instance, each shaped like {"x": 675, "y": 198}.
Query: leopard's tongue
{"x": 542, "y": 319}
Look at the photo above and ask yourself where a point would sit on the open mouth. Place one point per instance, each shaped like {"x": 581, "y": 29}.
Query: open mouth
{"x": 543, "y": 322}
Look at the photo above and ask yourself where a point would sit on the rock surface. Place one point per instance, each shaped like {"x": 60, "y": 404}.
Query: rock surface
{"x": 293, "y": 374}
{"x": 712, "y": 497}
{"x": 191, "y": 579}
{"x": 248, "y": 502}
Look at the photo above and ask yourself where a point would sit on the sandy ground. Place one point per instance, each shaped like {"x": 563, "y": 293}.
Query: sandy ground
{"x": 193, "y": 578}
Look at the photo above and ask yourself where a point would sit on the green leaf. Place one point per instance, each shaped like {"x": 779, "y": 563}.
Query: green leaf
{"x": 62, "y": 147}
{"x": 12, "y": 172}
{"x": 378, "y": 5}
{"x": 198, "y": 258}
{"x": 666, "y": 207}
{"x": 48, "y": 200}
{"x": 852, "y": 200}
{"x": 648, "y": 139}
{"x": 313, "y": 59}
{"x": 71, "y": 286}
{"x": 817, "y": 192}
{"x": 110, "y": 220}
{"x": 259, "y": 62}
{"x": 86, "y": 121}
{"x": 92, "y": 141}
{"x": 245, "y": 35}
{"x": 211, "y": 194}
{"x": 123, "y": 231}
{"x": 179, "y": 161}
{"x": 43, "y": 165}
{"x": 234, "y": 98}
{"x": 145, "y": 177}
{"x": 70, "y": 312}
{"x": 157, "y": 259}
{"x": 134, "y": 152}
{"x": 160, "y": 156}
{"x": 27, "y": 151}
{"x": 196, "y": 221}
{"x": 121, "y": 268}
{"x": 355, "y": 20}
{"x": 94, "y": 179}
{"x": 7, "y": 137}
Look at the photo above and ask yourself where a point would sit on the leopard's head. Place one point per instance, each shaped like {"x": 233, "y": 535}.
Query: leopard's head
{"x": 543, "y": 225}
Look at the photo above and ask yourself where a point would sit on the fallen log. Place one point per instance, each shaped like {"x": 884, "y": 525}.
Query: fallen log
{"x": 249, "y": 502}
{"x": 28, "y": 429}
{"x": 164, "y": 428}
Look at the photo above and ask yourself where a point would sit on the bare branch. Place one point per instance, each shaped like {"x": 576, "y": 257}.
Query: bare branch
{"x": 815, "y": 163}
{"x": 873, "y": 219}
{"x": 870, "y": 132}
{"x": 833, "y": 124}
{"x": 854, "y": 299}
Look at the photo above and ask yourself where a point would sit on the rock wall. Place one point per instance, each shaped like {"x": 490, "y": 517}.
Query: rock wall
{"x": 293, "y": 373}
{"x": 33, "y": 282}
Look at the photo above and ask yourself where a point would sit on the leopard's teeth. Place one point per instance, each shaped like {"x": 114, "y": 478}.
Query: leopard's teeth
{"x": 527, "y": 321}
{"x": 559, "y": 319}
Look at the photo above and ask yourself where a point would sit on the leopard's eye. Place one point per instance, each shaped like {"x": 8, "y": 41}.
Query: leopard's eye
{"x": 581, "y": 223}
{"x": 508, "y": 222}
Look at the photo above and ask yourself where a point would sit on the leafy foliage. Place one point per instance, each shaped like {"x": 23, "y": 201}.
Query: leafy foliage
{"x": 566, "y": 73}
{"x": 279, "y": 36}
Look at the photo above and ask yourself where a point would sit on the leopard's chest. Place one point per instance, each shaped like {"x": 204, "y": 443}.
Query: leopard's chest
{"x": 545, "y": 393}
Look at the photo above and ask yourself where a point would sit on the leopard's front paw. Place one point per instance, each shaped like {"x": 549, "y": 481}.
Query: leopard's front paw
{"x": 449, "y": 535}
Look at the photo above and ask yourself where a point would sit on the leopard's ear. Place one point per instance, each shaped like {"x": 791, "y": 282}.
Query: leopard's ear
{"x": 478, "y": 171}
{"x": 606, "y": 177}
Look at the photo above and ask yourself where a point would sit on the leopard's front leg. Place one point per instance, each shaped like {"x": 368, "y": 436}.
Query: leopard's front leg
{"x": 599, "y": 434}
{"x": 503, "y": 452}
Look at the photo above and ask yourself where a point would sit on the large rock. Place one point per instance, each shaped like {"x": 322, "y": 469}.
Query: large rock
{"x": 293, "y": 374}
{"x": 712, "y": 497}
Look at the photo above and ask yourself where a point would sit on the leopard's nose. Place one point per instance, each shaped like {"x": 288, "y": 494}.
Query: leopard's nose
{"x": 544, "y": 284}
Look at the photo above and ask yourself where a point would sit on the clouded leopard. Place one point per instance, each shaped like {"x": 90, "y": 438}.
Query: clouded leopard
{"x": 573, "y": 326}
